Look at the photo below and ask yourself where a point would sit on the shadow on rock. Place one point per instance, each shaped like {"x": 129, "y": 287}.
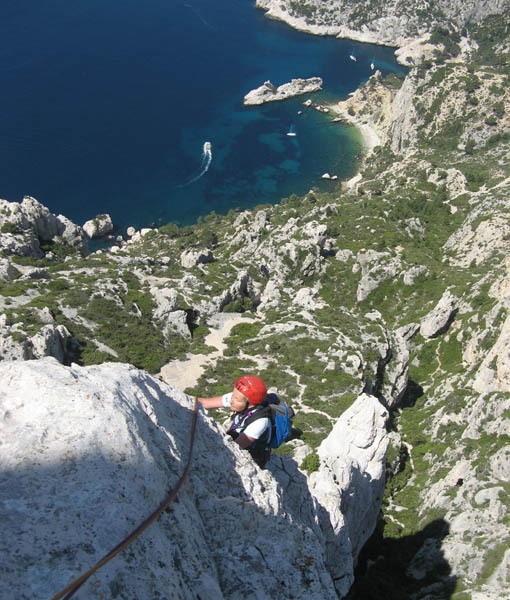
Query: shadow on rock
{"x": 408, "y": 568}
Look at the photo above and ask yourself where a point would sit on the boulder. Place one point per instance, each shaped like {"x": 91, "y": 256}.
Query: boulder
{"x": 98, "y": 227}
{"x": 192, "y": 258}
{"x": 438, "y": 320}
{"x": 6, "y": 270}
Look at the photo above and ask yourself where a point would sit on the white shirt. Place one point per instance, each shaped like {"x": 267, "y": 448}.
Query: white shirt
{"x": 255, "y": 429}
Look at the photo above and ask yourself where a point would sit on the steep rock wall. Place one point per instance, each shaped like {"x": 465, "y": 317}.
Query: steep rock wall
{"x": 88, "y": 453}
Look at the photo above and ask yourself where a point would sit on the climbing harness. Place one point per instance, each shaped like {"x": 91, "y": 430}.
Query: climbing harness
{"x": 72, "y": 588}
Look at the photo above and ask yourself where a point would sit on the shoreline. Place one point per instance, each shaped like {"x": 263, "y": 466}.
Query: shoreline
{"x": 369, "y": 135}
{"x": 337, "y": 31}
{"x": 408, "y": 51}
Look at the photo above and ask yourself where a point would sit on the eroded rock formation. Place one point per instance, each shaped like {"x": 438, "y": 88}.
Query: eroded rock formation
{"x": 88, "y": 453}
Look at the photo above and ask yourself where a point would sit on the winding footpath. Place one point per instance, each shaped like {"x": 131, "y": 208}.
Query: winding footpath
{"x": 184, "y": 374}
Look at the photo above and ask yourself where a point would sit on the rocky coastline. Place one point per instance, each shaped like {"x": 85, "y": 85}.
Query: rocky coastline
{"x": 387, "y": 25}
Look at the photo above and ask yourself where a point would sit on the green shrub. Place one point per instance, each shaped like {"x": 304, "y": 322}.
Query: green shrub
{"x": 310, "y": 463}
{"x": 9, "y": 227}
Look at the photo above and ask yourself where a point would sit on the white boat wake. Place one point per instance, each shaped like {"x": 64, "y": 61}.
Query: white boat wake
{"x": 199, "y": 16}
{"x": 204, "y": 167}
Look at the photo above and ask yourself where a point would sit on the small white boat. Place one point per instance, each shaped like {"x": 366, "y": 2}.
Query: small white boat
{"x": 372, "y": 66}
{"x": 291, "y": 131}
{"x": 352, "y": 57}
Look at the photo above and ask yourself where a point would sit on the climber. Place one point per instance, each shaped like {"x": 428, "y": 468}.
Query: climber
{"x": 248, "y": 429}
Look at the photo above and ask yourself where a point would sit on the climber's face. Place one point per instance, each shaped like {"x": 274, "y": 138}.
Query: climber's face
{"x": 238, "y": 402}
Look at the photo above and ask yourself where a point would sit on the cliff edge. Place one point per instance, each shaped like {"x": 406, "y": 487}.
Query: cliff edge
{"x": 89, "y": 452}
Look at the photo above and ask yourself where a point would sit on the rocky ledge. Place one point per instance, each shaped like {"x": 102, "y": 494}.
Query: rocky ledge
{"x": 270, "y": 93}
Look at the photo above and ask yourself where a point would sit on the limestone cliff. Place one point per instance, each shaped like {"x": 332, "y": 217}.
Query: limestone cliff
{"x": 88, "y": 453}
{"x": 391, "y": 23}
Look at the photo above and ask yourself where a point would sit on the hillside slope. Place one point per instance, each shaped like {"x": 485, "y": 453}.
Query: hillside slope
{"x": 392, "y": 23}
{"x": 400, "y": 276}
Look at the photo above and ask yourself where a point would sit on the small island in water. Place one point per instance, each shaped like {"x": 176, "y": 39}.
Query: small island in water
{"x": 268, "y": 92}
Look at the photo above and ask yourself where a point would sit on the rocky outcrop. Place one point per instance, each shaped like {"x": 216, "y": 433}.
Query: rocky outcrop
{"x": 88, "y": 453}
{"x": 6, "y": 270}
{"x": 242, "y": 288}
{"x": 191, "y": 258}
{"x": 71, "y": 234}
{"x": 390, "y": 23}
{"x": 167, "y": 314}
{"x": 267, "y": 92}
{"x": 24, "y": 225}
{"x": 98, "y": 227}
{"x": 375, "y": 267}
{"x": 50, "y": 340}
{"x": 349, "y": 485}
{"x": 438, "y": 320}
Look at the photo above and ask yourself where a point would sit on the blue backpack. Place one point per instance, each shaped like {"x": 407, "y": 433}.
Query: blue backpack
{"x": 280, "y": 415}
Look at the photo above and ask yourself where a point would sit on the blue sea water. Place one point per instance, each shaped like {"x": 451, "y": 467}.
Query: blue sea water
{"x": 106, "y": 106}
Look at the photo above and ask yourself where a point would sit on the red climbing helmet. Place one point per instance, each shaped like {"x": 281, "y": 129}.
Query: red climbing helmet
{"x": 252, "y": 387}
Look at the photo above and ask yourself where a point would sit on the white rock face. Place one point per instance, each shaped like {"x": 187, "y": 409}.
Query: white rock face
{"x": 306, "y": 298}
{"x": 350, "y": 484}
{"x": 439, "y": 318}
{"x": 376, "y": 267}
{"x": 494, "y": 372}
{"x": 30, "y": 221}
{"x": 267, "y": 92}
{"x": 478, "y": 246}
{"x": 6, "y": 270}
{"x": 99, "y": 227}
{"x": 192, "y": 258}
{"x": 51, "y": 341}
{"x": 88, "y": 453}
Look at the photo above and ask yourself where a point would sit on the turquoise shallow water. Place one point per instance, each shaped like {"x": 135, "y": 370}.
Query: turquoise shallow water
{"x": 106, "y": 107}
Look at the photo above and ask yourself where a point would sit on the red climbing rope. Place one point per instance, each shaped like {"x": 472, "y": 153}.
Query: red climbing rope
{"x": 73, "y": 587}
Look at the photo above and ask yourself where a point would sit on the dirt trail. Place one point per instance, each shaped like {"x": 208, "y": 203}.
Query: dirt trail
{"x": 184, "y": 374}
